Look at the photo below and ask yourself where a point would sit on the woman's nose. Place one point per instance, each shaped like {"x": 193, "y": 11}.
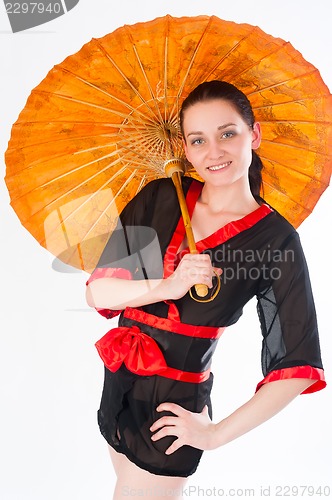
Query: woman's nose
{"x": 215, "y": 150}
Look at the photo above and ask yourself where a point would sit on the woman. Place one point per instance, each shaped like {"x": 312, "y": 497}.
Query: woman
{"x": 155, "y": 409}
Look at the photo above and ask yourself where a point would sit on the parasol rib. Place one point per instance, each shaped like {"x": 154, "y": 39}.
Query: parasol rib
{"x": 286, "y": 167}
{"x": 62, "y": 225}
{"x": 224, "y": 57}
{"x": 80, "y": 167}
{"x": 148, "y": 84}
{"x": 96, "y": 106}
{"x": 199, "y": 43}
{"x": 165, "y": 70}
{"x": 78, "y": 246}
{"x": 95, "y": 87}
{"x": 298, "y": 147}
{"x": 103, "y": 212}
{"x": 276, "y": 120}
{"x": 114, "y": 163}
{"x": 314, "y": 72}
{"x": 126, "y": 79}
{"x": 71, "y": 214}
{"x": 304, "y": 207}
{"x": 88, "y": 198}
{"x": 265, "y": 56}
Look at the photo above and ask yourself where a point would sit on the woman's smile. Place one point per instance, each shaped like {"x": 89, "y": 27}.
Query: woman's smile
{"x": 219, "y": 167}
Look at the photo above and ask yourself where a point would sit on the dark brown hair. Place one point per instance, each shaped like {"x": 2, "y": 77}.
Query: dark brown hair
{"x": 217, "y": 89}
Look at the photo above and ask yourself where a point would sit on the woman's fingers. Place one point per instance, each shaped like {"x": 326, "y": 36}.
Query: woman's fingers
{"x": 172, "y": 407}
{"x": 218, "y": 270}
{"x": 193, "y": 269}
{"x": 177, "y": 410}
{"x": 161, "y": 422}
{"x": 174, "y": 446}
{"x": 167, "y": 425}
{"x": 193, "y": 429}
{"x": 196, "y": 268}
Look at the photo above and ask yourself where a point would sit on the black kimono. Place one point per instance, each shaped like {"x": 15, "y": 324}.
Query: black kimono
{"x": 162, "y": 352}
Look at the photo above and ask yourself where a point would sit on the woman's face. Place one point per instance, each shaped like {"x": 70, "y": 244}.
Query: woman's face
{"x": 218, "y": 142}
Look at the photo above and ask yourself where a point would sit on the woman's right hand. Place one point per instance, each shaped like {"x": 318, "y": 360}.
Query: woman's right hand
{"x": 117, "y": 294}
{"x": 193, "y": 269}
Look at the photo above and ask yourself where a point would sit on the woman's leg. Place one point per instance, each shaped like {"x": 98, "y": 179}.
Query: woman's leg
{"x": 135, "y": 482}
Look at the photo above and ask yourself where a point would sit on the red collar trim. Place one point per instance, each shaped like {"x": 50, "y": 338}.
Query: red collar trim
{"x": 192, "y": 196}
{"x": 233, "y": 228}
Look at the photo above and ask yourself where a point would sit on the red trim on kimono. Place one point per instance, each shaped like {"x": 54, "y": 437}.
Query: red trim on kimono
{"x": 173, "y": 312}
{"x": 305, "y": 371}
{"x": 140, "y": 354}
{"x": 192, "y": 196}
{"x": 207, "y": 332}
{"x": 233, "y": 228}
{"x": 109, "y": 272}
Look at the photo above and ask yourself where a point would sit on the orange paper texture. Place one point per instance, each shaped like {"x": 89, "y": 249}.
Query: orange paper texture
{"x": 102, "y": 123}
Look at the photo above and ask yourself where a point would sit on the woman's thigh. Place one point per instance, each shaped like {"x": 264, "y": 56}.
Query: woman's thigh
{"x": 135, "y": 482}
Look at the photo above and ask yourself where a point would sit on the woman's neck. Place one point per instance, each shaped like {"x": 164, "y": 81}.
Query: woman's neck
{"x": 236, "y": 198}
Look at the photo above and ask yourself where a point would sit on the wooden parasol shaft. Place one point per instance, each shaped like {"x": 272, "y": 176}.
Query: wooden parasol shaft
{"x": 174, "y": 168}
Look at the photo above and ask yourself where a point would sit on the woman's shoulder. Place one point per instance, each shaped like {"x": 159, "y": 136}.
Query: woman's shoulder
{"x": 277, "y": 227}
{"x": 156, "y": 192}
{"x": 164, "y": 185}
{"x": 151, "y": 190}
{"x": 277, "y": 220}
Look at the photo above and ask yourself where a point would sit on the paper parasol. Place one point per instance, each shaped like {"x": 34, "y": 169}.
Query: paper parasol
{"x": 99, "y": 126}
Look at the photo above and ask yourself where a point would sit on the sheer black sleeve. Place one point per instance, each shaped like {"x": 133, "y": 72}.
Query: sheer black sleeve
{"x": 132, "y": 251}
{"x": 288, "y": 318}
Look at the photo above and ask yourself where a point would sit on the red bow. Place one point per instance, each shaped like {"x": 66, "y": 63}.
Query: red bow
{"x": 139, "y": 352}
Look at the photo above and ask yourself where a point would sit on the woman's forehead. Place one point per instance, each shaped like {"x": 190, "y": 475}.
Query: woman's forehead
{"x": 217, "y": 111}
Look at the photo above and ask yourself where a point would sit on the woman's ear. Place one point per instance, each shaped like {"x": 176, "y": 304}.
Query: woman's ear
{"x": 185, "y": 149}
{"x": 256, "y": 136}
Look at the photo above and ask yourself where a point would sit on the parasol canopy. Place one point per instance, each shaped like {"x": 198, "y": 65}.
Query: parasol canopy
{"x": 103, "y": 122}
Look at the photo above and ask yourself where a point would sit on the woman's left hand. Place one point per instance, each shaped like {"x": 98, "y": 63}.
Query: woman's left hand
{"x": 193, "y": 429}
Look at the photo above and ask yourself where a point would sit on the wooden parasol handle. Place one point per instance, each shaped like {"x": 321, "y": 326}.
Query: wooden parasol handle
{"x": 174, "y": 168}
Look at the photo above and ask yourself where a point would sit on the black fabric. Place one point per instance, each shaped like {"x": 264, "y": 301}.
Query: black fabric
{"x": 190, "y": 354}
{"x": 264, "y": 261}
{"x": 128, "y": 409}
{"x": 287, "y": 313}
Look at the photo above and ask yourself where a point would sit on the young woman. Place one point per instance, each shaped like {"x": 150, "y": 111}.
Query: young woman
{"x": 155, "y": 408}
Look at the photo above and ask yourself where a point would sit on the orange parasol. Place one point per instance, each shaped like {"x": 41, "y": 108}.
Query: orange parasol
{"x": 103, "y": 122}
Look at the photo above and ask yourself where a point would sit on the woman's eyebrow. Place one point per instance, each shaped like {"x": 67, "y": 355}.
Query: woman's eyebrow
{"x": 221, "y": 127}
{"x": 195, "y": 133}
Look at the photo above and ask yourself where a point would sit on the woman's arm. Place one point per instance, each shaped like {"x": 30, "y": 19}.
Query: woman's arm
{"x": 197, "y": 430}
{"x": 115, "y": 293}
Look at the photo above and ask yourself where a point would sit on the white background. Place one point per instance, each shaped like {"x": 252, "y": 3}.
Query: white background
{"x": 50, "y": 373}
